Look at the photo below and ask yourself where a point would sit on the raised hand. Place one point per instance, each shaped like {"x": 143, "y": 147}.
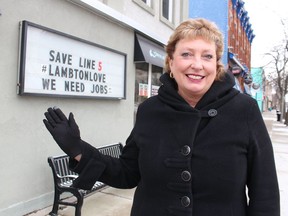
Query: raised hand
{"x": 65, "y": 131}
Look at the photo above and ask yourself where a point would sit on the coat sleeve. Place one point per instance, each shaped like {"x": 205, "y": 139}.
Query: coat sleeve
{"x": 94, "y": 166}
{"x": 262, "y": 183}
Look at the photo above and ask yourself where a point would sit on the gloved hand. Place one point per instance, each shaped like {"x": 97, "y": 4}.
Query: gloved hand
{"x": 65, "y": 131}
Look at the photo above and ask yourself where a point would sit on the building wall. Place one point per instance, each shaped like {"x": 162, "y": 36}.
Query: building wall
{"x": 216, "y": 11}
{"x": 233, "y": 20}
{"x": 257, "y": 87}
{"x": 26, "y": 181}
{"x": 238, "y": 41}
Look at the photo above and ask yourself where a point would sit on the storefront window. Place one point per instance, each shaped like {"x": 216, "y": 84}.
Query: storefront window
{"x": 147, "y": 82}
{"x": 155, "y": 82}
{"x": 141, "y": 83}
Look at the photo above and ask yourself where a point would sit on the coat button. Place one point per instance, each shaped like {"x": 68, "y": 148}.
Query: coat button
{"x": 185, "y": 201}
{"x": 212, "y": 112}
{"x": 185, "y": 150}
{"x": 186, "y": 176}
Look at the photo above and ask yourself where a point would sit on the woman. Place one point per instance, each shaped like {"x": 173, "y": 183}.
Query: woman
{"x": 195, "y": 147}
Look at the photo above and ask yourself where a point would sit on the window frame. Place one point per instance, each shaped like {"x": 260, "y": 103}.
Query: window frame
{"x": 170, "y": 20}
{"x": 149, "y": 6}
{"x": 148, "y": 2}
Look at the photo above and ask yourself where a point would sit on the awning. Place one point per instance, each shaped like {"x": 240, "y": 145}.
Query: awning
{"x": 148, "y": 51}
{"x": 233, "y": 57}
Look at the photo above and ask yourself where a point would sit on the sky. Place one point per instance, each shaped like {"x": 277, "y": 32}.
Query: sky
{"x": 265, "y": 17}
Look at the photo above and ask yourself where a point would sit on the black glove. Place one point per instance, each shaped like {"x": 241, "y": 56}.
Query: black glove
{"x": 65, "y": 131}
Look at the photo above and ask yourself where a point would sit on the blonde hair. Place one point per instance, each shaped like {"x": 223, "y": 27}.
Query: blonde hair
{"x": 197, "y": 28}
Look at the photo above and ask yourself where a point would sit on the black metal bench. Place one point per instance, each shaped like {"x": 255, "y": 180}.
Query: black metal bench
{"x": 63, "y": 178}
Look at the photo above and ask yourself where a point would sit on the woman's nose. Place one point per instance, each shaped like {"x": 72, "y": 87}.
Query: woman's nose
{"x": 196, "y": 64}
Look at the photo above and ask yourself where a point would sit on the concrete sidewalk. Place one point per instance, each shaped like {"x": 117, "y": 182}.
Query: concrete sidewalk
{"x": 116, "y": 202}
{"x": 279, "y": 135}
{"x": 105, "y": 202}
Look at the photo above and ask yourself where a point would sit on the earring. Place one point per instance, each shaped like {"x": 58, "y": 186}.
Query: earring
{"x": 171, "y": 75}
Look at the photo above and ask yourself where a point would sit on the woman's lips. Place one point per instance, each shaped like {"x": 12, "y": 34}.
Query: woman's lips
{"x": 195, "y": 77}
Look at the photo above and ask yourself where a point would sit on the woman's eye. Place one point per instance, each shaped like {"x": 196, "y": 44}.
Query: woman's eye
{"x": 186, "y": 54}
{"x": 208, "y": 56}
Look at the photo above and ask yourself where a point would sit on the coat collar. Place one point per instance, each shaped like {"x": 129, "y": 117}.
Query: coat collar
{"x": 218, "y": 94}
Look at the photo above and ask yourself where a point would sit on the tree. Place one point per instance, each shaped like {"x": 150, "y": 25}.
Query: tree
{"x": 278, "y": 70}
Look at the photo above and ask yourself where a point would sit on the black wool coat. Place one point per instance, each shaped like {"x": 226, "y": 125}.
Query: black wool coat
{"x": 212, "y": 160}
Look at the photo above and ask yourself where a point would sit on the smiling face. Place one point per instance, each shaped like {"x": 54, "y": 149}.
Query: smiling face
{"x": 194, "y": 67}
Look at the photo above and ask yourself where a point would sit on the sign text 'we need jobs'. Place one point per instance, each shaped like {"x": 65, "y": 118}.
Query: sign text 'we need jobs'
{"x": 53, "y": 63}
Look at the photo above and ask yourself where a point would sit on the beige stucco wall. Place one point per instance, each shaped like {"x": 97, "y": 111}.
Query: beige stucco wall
{"x": 26, "y": 178}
